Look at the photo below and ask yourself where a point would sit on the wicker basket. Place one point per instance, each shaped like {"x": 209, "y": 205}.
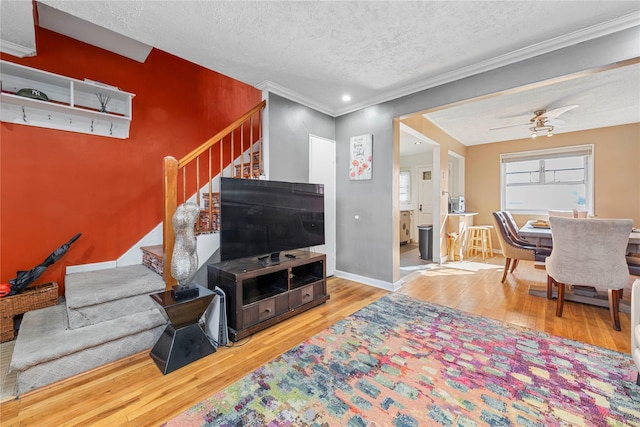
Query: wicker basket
{"x": 33, "y": 298}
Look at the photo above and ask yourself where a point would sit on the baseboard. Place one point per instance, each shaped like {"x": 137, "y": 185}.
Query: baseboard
{"x": 367, "y": 280}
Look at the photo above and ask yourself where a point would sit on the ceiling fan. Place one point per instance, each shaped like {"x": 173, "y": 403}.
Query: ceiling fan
{"x": 543, "y": 121}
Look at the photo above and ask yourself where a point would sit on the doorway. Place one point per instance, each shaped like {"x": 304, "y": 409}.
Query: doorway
{"x": 322, "y": 170}
{"x": 421, "y": 155}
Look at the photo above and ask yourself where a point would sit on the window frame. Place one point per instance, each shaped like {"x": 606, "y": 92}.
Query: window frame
{"x": 544, "y": 154}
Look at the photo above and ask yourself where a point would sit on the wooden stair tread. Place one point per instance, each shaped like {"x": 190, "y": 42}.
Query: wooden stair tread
{"x": 155, "y": 250}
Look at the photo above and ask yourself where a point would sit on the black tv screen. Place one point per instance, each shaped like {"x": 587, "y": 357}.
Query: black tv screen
{"x": 263, "y": 218}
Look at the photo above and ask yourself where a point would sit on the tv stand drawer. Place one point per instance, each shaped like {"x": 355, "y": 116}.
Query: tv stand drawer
{"x": 264, "y": 309}
{"x": 306, "y": 294}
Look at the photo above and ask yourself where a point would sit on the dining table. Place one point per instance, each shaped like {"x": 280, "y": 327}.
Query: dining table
{"x": 539, "y": 234}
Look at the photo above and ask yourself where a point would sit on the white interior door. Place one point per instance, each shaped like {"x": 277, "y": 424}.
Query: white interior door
{"x": 425, "y": 195}
{"x": 322, "y": 170}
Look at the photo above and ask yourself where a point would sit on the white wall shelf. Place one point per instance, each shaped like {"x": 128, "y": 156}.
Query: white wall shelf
{"x": 73, "y": 104}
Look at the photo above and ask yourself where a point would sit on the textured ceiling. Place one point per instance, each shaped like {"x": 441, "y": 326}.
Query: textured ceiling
{"x": 374, "y": 50}
{"x": 604, "y": 99}
{"x": 313, "y": 52}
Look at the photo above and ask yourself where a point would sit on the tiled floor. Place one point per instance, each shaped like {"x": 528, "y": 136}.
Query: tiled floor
{"x": 7, "y": 379}
{"x": 410, "y": 260}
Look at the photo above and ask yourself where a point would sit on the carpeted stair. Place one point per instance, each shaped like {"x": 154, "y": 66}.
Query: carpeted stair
{"x": 107, "y": 315}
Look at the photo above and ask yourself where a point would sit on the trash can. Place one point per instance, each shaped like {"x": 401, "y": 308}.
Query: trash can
{"x": 425, "y": 241}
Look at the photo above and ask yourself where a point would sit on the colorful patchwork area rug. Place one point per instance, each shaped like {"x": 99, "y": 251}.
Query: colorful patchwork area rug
{"x": 404, "y": 362}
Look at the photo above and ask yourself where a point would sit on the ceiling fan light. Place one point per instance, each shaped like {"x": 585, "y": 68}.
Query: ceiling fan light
{"x": 550, "y": 131}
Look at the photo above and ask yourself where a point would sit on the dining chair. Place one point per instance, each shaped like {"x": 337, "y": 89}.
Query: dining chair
{"x": 514, "y": 231}
{"x": 512, "y": 250}
{"x": 589, "y": 252}
{"x": 633, "y": 262}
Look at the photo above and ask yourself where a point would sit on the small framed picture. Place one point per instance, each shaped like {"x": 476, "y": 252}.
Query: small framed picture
{"x": 361, "y": 160}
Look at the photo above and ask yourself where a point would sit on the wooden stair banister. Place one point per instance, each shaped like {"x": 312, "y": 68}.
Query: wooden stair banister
{"x": 173, "y": 167}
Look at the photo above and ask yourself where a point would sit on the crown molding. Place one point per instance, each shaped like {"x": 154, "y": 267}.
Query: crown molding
{"x": 15, "y": 49}
{"x": 269, "y": 86}
{"x": 600, "y": 30}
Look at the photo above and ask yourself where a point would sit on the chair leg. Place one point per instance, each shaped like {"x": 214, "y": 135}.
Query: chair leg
{"x": 515, "y": 264}
{"x": 614, "y": 308}
{"x": 560, "y": 305}
{"x": 550, "y": 282}
{"x": 506, "y": 268}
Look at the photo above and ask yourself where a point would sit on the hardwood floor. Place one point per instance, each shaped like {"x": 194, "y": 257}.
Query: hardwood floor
{"x": 133, "y": 391}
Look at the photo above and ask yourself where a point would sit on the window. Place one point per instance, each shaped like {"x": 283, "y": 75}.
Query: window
{"x": 405, "y": 186}
{"x": 557, "y": 179}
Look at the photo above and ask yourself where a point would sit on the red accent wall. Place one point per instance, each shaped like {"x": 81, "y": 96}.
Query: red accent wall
{"x": 54, "y": 184}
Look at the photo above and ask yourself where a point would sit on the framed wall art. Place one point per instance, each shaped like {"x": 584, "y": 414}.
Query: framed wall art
{"x": 361, "y": 160}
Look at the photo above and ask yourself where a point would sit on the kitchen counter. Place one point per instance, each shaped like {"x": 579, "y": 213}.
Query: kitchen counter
{"x": 457, "y": 223}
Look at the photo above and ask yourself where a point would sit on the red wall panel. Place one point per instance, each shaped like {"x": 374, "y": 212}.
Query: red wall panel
{"x": 54, "y": 184}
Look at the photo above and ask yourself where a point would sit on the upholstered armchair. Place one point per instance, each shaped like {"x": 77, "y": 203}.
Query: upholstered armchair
{"x": 635, "y": 326}
{"x": 512, "y": 227}
{"x": 589, "y": 252}
{"x": 512, "y": 249}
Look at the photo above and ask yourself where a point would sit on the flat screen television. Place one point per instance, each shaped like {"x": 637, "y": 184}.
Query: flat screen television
{"x": 263, "y": 218}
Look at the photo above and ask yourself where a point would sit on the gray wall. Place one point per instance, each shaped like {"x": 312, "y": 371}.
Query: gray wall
{"x": 365, "y": 247}
{"x": 364, "y": 211}
{"x": 290, "y": 125}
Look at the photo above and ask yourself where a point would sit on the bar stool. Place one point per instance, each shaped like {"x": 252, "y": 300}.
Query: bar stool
{"x": 479, "y": 239}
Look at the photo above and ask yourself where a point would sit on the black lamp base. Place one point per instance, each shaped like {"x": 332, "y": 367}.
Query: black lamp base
{"x": 185, "y": 292}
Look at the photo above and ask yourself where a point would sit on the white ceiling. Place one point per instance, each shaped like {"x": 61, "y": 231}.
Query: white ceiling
{"x": 608, "y": 98}
{"x": 314, "y": 52}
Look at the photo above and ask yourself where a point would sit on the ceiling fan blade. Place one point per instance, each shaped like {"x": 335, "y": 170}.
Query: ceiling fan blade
{"x": 556, "y": 122}
{"x": 556, "y": 112}
{"x": 510, "y": 126}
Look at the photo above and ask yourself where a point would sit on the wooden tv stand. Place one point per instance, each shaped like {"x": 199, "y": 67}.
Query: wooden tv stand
{"x": 261, "y": 293}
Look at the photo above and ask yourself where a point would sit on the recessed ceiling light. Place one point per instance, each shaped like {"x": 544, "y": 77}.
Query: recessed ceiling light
{"x": 346, "y": 98}
{"x": 418, "y": 142}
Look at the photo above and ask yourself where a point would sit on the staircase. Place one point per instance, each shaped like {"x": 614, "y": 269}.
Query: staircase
{"x": 193, "y": 177}
{"x": 107, "y": 314}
